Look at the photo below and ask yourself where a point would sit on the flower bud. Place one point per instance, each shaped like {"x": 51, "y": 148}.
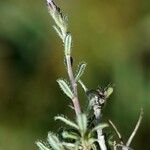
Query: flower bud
{"x": 51, "y": 5}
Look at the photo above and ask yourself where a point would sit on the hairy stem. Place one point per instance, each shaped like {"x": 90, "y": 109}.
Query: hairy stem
{"x": 75, "y": 99}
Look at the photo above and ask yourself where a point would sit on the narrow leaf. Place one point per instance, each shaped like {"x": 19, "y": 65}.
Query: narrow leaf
{"x": 41, "y": 146}
{"x": 58, "y": 32}
{"x": 108, "y": 92}
{"x": 70, "y": 135}
{"x": 54, "y": 142}
{"x": 77, "y": 146}
{"x": 100, "y": 126}
{"x": 83, "y": 86}
{"x": 67, "y": 121}
{"x": 68, "y": 41}
{"x": 82, "y": 123}
{"x": 80, "y": 70}
{"x": 91, "y": 141}
{"x": 69, "y": 146}
{"x": 65, "y": 87}
{"x": 94, "y": 147}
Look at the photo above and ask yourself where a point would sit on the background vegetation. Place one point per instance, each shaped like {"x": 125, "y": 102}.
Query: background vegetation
{"x": 113, "y": 36}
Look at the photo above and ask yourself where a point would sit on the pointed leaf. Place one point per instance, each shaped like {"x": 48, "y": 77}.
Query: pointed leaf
{"x": 80, "y": 70}
{"x": 68, "y": 41}
{"x": 77, "y": 145}
{"x": 91, "y": 141}
{"x": 58, "y": 32}
{"x": 94, "y": 147}
{"x": 108, "y": 92}
{"x": 65, "y": 87}
{"x": 100, "y": 126}
{"x": 69, "y": 146}
{"x": 83, "y": 86}
{"x": 82, "y": 123}
{"x": 70, "y": 135}
{"x": 54, "y": 142}
{"x": 67, "y": 121}
{"x": 41, "y": 146}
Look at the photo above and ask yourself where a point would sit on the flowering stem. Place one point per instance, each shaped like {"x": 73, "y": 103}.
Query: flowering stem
{"x": 61, "y": 29}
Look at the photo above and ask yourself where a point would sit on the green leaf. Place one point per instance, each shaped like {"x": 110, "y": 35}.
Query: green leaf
{"x": 80, "y": 70}
{"x": 82, "y": 123}
{"x": 67, "y": 121}
{"x": 70, "y": 135}
{"x": 65, "y": 87}
{"x": 68, "y": 41}
{"x": 91, "y": 141}
{"x": 83, "y": 86}
{"x": 69, "y": 146}
{"x": 58, "y": 32}
{"x": 41, "y": 146}
{"x": 108, "y": 92}
{"x": 77, "y": 145}
{"x": 54, "y": 142}
{"x": 100, "y": 126}
{"x": 94, "y": 147}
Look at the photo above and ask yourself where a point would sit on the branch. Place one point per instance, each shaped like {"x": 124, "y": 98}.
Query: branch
{"x": 135, "y": 129}
{"x": 61, "y": 29}
{"x": 116, "y": 130}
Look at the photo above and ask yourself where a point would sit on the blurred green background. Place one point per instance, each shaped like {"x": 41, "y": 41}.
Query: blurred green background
{"x": 113, "y": 36}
